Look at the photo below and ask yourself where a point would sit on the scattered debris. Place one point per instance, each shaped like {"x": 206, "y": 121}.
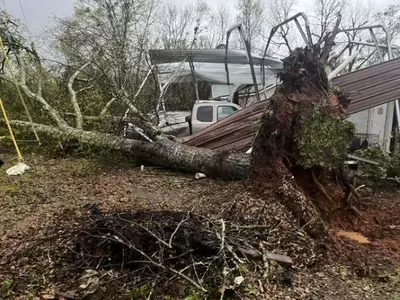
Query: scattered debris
{"x": 40, "y": 239}
{"x": 18, "y": 169}
{"x": 355, "y": 236}
{"x": 355, "y": 157}
{"x": 200, "y": 176}
{"x": 281, "y": 259}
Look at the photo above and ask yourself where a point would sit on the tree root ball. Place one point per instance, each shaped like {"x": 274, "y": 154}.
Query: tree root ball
{"x": 302, "y": 142}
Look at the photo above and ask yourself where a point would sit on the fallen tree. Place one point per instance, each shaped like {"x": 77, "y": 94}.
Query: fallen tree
{"x": 229, "y": 165}
{"x": 298, "y": 152}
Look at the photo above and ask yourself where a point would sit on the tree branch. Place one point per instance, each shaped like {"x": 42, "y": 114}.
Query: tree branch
{"x": 85, "y": 89}
{"x": 35, "y": 96}
{"x": 73, "y": 93}
{"x": 107, "y": 106}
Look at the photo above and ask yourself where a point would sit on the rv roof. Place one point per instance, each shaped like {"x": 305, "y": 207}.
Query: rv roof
{"x": 209, "y": 65}
{"x": 210, "y": 56}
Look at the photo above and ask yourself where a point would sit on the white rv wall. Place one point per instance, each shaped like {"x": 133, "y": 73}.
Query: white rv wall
{"x": 376, "y": 124}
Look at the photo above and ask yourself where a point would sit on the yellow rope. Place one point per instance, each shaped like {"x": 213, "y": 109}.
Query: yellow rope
{"x": 10, "y": 130}
{"x": 18, "y": 89}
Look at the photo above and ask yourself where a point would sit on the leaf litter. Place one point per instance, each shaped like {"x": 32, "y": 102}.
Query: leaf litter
{"x": 42, "y": 220}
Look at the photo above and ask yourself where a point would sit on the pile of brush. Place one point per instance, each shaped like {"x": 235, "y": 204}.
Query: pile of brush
{"x": 196, "y": 250}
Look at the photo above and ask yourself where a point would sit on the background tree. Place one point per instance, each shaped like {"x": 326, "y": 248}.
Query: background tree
{"x": 187, "y": 26}
{"x": 115, "y": 37}
{"x": 326, "y": 16}
{"x": 175, "y": 26}
{"x": 357, "y": 14}
{"x": 279, "y": 11}
{"x": 251, "y": 14}
{"x": 220, "y": 23}
{"x": 390, "y": 18}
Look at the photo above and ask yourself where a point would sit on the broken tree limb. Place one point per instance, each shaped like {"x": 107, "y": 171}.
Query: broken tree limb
{"x": 162, "y": 151}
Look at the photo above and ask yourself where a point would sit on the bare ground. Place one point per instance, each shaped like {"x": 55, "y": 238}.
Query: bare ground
{"x": 53, "y": 193}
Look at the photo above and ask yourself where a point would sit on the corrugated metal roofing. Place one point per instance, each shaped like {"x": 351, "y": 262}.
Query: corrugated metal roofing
{"x": 368, "y": 87}
{"x": 372, "y": 86}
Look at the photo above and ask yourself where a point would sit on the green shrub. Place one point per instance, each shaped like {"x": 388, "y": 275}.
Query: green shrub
{"x": 374, "y": 172}
{"x": 324, "y": 140}
{"x": 394, "y": 166}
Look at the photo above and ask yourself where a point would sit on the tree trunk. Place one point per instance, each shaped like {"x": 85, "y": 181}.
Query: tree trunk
{"x": 167, "y": 153}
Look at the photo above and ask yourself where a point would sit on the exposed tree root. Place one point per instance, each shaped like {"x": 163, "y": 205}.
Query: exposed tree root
{"x": 277, "y": 158}
{"x": 320, "y": 186}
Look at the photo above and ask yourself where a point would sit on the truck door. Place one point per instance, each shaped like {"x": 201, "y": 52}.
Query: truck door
{"x": 224, "y": 111}
{"x": 204, "y": 116}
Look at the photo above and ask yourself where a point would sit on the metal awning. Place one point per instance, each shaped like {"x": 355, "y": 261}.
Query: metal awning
{"x": 371, "y": 86}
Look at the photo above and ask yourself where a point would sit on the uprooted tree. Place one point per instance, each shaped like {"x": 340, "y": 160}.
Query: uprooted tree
{"x": 302, "y": 143}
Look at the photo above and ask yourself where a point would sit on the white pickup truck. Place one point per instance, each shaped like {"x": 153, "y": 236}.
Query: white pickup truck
{"x": 206, "y": 112}
{"x": 183, "y": 123}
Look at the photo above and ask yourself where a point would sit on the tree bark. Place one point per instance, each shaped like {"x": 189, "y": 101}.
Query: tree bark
{"x": 228, "y": 165}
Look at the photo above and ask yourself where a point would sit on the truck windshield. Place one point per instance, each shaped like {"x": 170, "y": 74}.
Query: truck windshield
{"x": 205, "y": 114}
{"x": 225, "y": 111}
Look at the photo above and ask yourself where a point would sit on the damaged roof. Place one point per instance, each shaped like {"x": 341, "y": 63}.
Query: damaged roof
{"x": 368, "y": 87}
{"x": 231, "y": 133}
{"x": 371, "y": 86}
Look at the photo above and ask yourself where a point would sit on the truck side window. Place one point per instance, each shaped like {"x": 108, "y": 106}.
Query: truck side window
{"x": 205, "y": 114}
{"x": 225, "y": 111}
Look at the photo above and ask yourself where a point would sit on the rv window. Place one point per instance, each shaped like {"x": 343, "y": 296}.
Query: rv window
{"x": 225, "y": 111}
{"x": 205, "y": 114}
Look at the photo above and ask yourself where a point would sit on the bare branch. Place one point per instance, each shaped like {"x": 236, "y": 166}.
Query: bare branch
{"x": 176, "y": 230}
{"x": 85, "y": 89}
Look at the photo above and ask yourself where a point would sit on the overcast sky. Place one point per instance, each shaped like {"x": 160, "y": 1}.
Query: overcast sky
{"x": 40, "y": 13}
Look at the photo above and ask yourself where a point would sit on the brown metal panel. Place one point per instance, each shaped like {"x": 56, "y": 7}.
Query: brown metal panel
{"x": 372, "y": 86}
{"x": 228, "y": 125}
